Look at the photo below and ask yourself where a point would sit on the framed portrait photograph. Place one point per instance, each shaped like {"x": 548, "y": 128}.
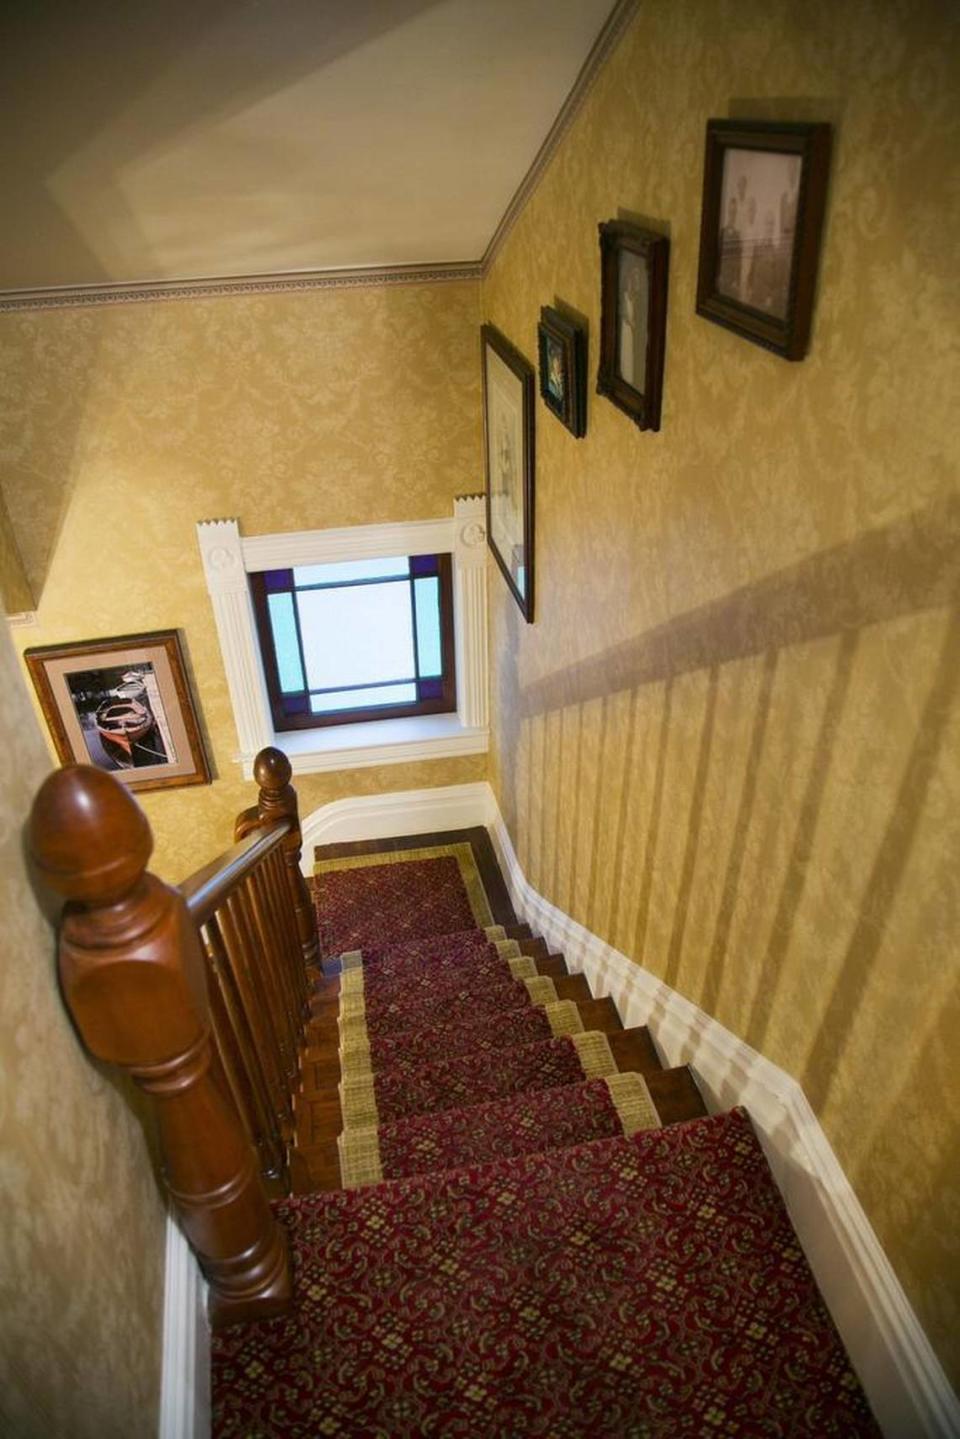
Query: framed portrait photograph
{"x": 633, "y": 319}
{"x": 764, "y": 193}
{"x": 508, "y": 449}
{"x": 123, "y": 705}
{"x": 562, "y": 350}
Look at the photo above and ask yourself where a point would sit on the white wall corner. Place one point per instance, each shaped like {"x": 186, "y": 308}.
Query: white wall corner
{"x": 185, "y": 1382}
{"x": 904, "y": 1381}
{"x": 409, "y": 811}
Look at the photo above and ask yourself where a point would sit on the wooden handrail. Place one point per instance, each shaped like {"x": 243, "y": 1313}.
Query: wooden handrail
{"x": 133, "y": 978}
{"x": 206, "y": 890}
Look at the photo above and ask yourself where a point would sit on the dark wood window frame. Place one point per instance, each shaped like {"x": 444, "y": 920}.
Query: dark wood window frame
{"x": 283, "y": 720}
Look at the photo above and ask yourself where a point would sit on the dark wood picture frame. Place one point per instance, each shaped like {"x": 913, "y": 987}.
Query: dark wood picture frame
{"x": 764, "y": 197}
{"x": 562, "y": 356}
{"x": 133, "y": 688}
{"x": 508, "y": 432}
{"x": 633, "y": 319}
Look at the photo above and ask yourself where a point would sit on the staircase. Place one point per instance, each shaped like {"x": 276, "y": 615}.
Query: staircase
{"x": 493, "y": 1211}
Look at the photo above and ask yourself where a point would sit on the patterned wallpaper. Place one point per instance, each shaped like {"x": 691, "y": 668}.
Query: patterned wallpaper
{"x": 730, "y": 744}
{"x": 120, "y": 427}
{"x": 81, "y": 1253}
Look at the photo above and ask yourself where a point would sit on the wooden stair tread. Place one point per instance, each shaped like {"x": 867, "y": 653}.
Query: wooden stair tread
{"x": 676, "y": 1096}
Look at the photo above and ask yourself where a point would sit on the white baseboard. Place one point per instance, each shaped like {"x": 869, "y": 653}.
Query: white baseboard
{"x": 410, "y": 811}
{"x": 185, "y": 1383}
{"x": 903, "y": 1379}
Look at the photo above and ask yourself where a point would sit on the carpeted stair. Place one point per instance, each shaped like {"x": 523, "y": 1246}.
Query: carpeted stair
{"x": 520, "y": 1224}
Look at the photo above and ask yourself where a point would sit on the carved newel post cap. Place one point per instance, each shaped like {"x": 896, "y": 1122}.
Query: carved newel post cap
{"x": 272, "y": 770}
{"x": 88, "y": 836}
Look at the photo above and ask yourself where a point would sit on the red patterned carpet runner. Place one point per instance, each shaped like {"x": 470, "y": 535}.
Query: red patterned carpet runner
{"x": 650, "y": 1286}
{"x": 363, "y": 904}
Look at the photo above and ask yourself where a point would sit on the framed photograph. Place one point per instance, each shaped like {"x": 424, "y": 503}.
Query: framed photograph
{"x": 764, "y": 191}
{"x": 508, "y": 448}
{"x": 562, "y": 347}
{"x": 123, "y": 705}
{"x": 633, "y": 319}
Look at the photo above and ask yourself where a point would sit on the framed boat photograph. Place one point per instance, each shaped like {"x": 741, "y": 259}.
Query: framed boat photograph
{"x": 764, "y": 194}
{"x": 508, "y": 392}
{"x": 633, "y": 319}
{"x": 123, "y": 705}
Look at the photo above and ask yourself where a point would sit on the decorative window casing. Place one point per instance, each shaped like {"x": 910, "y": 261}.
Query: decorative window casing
{"x": 229, "y": 559}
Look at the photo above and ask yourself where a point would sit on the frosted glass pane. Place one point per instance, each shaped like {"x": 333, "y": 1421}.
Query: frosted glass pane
{"x": 427, "y": 600}
{"x": 356, "y": 636}
{"x": 363, "y": 699}
{"x": 351, "y": 570}
{"x": 285, "y": 643}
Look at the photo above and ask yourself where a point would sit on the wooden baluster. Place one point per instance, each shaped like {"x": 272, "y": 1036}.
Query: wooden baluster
{"x": 133, "y": 978}
{"x": 244, "y": 961}
{"x": 275, "y": 872}
{"x": 278, "y": 800}
{"x": 241, "y": 1064}
{"x": 248, "y": 899}
{"x": 277, "y": 951}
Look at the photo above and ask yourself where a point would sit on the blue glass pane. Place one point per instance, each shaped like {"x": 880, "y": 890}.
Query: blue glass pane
{"x": 284, "y": 628}
{"x": 423, "y": 564}
{"x": 363, "y": 698}
{"x": 431, "y": 689}
{"x": 278, "y": 580}
{"x": 427, "y": 601}
{"x": 344, "y": 570}
{"x": 296, "y": 704}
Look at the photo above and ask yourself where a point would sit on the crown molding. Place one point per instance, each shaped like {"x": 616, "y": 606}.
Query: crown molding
{"x": 606, "y": 42}
{"x": 141, "y": 292}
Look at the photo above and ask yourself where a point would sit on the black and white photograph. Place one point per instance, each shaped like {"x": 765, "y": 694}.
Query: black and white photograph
{"x": 633, "y": 319}
{"x": 764, "y": 196}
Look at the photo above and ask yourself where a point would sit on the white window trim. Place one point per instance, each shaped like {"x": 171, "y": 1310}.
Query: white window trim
{"x": 228, "y": 558}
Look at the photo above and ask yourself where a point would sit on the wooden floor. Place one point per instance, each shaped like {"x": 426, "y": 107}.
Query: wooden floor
{"x": 315, "y": 1164}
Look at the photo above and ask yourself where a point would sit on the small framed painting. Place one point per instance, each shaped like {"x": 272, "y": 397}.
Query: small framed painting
{"x": 508, "y": 448}
{"x": 633, "y": 319}
{"x": 562, "y": 347}
{"x": 764, "y": 194}
{"x": 123, "y": 705}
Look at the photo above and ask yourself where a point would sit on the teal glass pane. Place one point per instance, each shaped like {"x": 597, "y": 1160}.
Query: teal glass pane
{"x": 426, "y": 594}
{"x": 340, "y": 573}
{"x": 284, "y": 628}
{"x": 363, "y": 698}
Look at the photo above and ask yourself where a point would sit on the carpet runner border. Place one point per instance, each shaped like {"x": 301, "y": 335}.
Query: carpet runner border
{"x": 360, "y": 1106}
{"x": 502, "y": 1124}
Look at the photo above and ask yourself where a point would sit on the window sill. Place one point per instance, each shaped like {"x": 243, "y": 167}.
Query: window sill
{"x": 378, "y": 742}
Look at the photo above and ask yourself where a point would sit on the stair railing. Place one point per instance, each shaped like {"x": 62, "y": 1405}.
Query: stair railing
{"x": 200, "y": 995}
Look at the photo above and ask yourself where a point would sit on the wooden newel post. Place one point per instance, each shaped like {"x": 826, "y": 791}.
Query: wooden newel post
{"x": 133, "y": 978}
{"x": 278, "y": 800}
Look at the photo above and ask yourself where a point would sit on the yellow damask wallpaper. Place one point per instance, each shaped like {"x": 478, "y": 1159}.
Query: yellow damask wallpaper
{"x": 730, "y": 744}
{"x": 81, "y": 1252}
{"x": 122, "y": 426}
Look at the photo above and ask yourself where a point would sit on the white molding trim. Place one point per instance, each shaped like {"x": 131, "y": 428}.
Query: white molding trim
{"x": 185, "y": 1380}
{"x": 904, "y": 1381}
{"x": 140, "y": 292}
{"x": 23, "y": 620}
{"x": 228, "y": 558}
{"x": 409, "y": 811}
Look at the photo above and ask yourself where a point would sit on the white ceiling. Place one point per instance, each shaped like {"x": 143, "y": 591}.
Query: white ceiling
{"x": 169, "y": 139}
